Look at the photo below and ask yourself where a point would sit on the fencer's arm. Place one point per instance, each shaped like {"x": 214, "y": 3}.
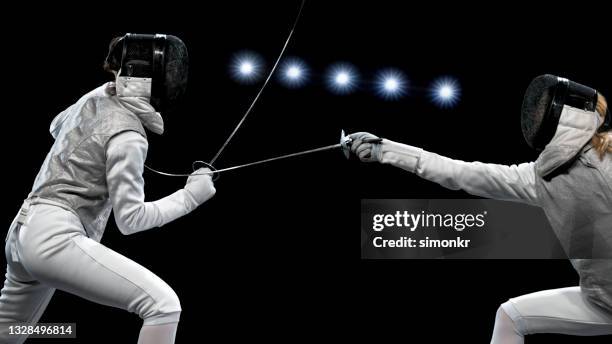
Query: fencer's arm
{"x": 125, "y": 157}
{"x": 512, "y": 183}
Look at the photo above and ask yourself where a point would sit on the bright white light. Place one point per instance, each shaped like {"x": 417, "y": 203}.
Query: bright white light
{"x": 294, "y": 73}
{"x": 391, "y": 84}
{"x": 445, "y": 92}
{"x": 342, "y": 78}
{"x": 246, "y": 67}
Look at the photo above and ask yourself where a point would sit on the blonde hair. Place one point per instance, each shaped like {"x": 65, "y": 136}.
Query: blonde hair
{"x": 602, "y": 142}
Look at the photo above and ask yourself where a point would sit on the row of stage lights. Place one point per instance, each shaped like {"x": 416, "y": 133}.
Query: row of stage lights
{"x": 342, "y": 78}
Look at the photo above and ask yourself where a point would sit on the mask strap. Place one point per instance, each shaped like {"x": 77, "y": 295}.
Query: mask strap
{"x": 158, "y": 75}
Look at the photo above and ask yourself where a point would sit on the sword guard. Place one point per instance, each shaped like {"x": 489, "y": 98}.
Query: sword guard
{"x": 345, "y": 144}
{"x": 215, "y": 175}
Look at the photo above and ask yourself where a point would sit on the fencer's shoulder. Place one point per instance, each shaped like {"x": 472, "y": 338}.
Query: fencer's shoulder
{"x": 120, "y": 120}
{"x": 127, "y": 141}
{"x": 114, "y": 119}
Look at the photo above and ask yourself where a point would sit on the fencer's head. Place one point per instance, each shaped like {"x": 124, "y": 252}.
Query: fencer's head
{"x": 157, "y": 62}
{"x": 545, "y": 99}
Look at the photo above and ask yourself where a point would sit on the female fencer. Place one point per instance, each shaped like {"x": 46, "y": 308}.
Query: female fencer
{"x": 94, "y": 166}
{"x": 571, "y": 180}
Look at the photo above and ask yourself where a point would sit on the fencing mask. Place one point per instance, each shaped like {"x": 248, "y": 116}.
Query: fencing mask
{"x": 559, "y": 118}
{"x": 156, "y": 64}
{"x": 545, "y": 99}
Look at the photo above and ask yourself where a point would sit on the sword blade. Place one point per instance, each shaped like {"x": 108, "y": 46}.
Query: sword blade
{"x": 286, "y": 156}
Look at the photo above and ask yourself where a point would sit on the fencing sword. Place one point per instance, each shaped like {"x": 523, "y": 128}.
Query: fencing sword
{"x": 344, "y": 145}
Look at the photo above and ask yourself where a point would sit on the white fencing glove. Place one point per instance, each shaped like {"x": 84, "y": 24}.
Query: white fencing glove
{"x": 200, "y": 185}
{"x": 366, "y": 146}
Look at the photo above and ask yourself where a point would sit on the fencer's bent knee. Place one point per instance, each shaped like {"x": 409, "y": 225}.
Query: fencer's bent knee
{"x": 165, "y": 309}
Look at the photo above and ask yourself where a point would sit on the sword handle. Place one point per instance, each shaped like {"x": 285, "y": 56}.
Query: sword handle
{"x": 213, "y": 169}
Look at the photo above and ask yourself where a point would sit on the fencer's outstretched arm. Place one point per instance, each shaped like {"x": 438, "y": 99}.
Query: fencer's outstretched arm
{"x": 125, "y": 157}
{"x": 512, "y": 183}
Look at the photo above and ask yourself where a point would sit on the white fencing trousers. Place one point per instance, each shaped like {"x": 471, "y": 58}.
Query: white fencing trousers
{"x": 562, "y": 311}
{"x": 51, "y": 251}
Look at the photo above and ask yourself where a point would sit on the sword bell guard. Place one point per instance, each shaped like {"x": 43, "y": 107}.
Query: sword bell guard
{"x": 345, "y": 144}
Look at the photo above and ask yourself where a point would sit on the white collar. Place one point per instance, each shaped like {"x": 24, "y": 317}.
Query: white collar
{"x": 575, "y": 129}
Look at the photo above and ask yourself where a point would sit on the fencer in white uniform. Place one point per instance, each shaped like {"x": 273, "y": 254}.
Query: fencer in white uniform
{"x": 572, "y": 181}
{"x": 95, "y": 165}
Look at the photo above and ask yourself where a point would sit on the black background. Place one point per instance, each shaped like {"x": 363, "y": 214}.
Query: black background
{"x": 275, "y": 254}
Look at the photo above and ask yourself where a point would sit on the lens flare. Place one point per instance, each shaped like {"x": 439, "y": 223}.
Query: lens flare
{"x": 246, "y": 67}
{"x": 445, "y": 92}
{"x": 293, "y": 73}
{"x": 391, "y": 84}
{"x": 342, "y": 78}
